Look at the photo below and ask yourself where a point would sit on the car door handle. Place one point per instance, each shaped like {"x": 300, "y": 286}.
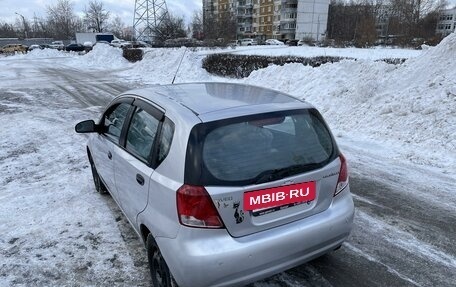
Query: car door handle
{"x": 109, "y": 155}
{"x": 140, "y": 179}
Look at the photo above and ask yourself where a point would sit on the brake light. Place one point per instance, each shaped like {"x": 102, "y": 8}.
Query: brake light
{"x": 342, "y": 182}
{"x": 196, "y": 209}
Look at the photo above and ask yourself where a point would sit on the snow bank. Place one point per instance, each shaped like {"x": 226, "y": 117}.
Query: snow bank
{"x": 102, "y": 56}
{"x": 48, "y": 53}
{"x": 413, "y": 104}
{"x": 306, "y": 51}
{"x": 45, "y": 53}
{"x": 159, "y": 66}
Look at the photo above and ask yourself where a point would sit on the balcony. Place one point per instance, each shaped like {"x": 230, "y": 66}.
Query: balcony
{"x": 288, "y": 20}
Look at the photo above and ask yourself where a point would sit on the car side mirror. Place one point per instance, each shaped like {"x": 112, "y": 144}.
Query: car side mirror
{"x": 88, "y": 126}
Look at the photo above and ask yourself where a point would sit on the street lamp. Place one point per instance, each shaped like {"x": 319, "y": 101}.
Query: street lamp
{"x": 23, "y": 22}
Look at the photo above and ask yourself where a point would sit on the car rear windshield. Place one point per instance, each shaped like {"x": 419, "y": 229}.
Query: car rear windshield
{"x": 258, "y": 148}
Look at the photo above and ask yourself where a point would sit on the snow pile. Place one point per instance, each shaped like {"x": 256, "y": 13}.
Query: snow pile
{"x": 102, "y": 56}
{"x": 306, "y": 51}
{"x": 45, "y": 53}
{"x": 413, "y": 105}
{"x": 160, "y": 65}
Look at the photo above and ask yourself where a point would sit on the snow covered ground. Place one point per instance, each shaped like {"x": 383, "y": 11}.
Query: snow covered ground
{"x": 396, "y": 124}
{"x": 375, "y": 53}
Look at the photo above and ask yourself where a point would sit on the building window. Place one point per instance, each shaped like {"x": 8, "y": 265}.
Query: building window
{"x": 290, "y": 26}
{"x": 291, "y": 5}
{"x": 291, "y": 15}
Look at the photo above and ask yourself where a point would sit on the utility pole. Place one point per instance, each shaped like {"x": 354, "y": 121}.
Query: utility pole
{"x": 23, "y": 23}
{"x": 149, "y": 14}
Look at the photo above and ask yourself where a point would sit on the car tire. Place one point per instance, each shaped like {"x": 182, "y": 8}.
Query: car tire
{"x": 159, "y": 271}
{"x": 99, "y": 186}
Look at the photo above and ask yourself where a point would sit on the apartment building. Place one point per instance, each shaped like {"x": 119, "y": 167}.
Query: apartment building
{"x": 447, "y": 22}
{"x": 278, "y": 19}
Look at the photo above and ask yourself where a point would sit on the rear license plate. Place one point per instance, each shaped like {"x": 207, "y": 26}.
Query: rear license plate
{"x": 278, "y": 196}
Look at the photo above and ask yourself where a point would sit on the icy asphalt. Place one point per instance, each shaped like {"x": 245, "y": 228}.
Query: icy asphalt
{"x": 56, "y": 231}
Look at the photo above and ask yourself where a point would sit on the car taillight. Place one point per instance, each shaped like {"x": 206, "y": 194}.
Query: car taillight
{"x": 342, "y": 182}
{"x": 196, "y": 209}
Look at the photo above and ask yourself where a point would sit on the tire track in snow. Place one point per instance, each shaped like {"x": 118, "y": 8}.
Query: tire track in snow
{"x": 88, "y": 89}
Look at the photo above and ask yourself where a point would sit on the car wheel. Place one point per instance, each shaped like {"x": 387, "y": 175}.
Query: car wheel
{"x": 99, "y": 186}
{"x": 159, "y": 271}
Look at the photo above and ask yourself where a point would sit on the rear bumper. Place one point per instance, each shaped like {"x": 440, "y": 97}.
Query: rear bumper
{"x": 213, "y": 258}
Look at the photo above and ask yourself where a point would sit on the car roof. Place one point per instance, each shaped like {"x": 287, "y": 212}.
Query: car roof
{"x": 210, "y": 101}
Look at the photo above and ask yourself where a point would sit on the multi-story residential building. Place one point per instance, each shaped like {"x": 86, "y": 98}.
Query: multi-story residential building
{"x": 244, "y": 15}
{"x": 288, "y": 16}
{"x": 279, "y": 19}
{"x": 447, "y": 22}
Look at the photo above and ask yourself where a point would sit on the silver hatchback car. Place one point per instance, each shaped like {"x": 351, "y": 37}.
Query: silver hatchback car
{"x": 225, "y": 183}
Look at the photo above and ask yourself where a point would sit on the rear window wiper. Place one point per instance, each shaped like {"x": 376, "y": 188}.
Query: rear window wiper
{"x": 279, "y": 173}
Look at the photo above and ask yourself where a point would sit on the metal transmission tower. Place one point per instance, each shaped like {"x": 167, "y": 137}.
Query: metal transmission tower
{"x": 149, "y": 14}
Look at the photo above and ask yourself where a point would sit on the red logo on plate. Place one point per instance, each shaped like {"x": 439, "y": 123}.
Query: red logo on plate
{"x": 278, "y": 196}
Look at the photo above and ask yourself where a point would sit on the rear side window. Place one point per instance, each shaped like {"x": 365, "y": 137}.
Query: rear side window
{"x": 242, "y": 151}
{"x": 165, "y": 140}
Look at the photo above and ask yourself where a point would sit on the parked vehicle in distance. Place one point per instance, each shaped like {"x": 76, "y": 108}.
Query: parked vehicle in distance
{"x": 181, "y": 42}
{"x": 248, "y": 42}
{"x": 14, "y": 48}
{"x": 45, "y": 46}
{"x": 34, "y": 47}
{"x": 211, "y": 173}
{"x": 75, "y": 48}
{"x": 120, "y": 43}
{"x": 140, "y": 44}
{"x": 274, "y": 42}
{"x": 308, "y": 42}
{"x": 292, "y": 42}
{"x": 88, "y": 46}
{"x": 57, "y": 45}
{"x": 233, "y": 43}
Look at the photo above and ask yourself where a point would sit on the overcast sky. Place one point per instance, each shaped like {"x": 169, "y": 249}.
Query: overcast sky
{"x": 123, "y": 8}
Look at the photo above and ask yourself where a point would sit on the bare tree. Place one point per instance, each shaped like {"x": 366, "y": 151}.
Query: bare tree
{"x": 197, "y": 25}
{"x": 96, "y": 17}
{"x": 7, "y": 31}
{"x": 117, "y": 27}
{"x": 352, "y": 23}
{"x": 171, "y": 27}
{"x": 221, "y": 25}
{"x": 62, "y": 22}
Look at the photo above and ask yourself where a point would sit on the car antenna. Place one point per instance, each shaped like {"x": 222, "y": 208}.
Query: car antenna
{"x": 178, "y": 67}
